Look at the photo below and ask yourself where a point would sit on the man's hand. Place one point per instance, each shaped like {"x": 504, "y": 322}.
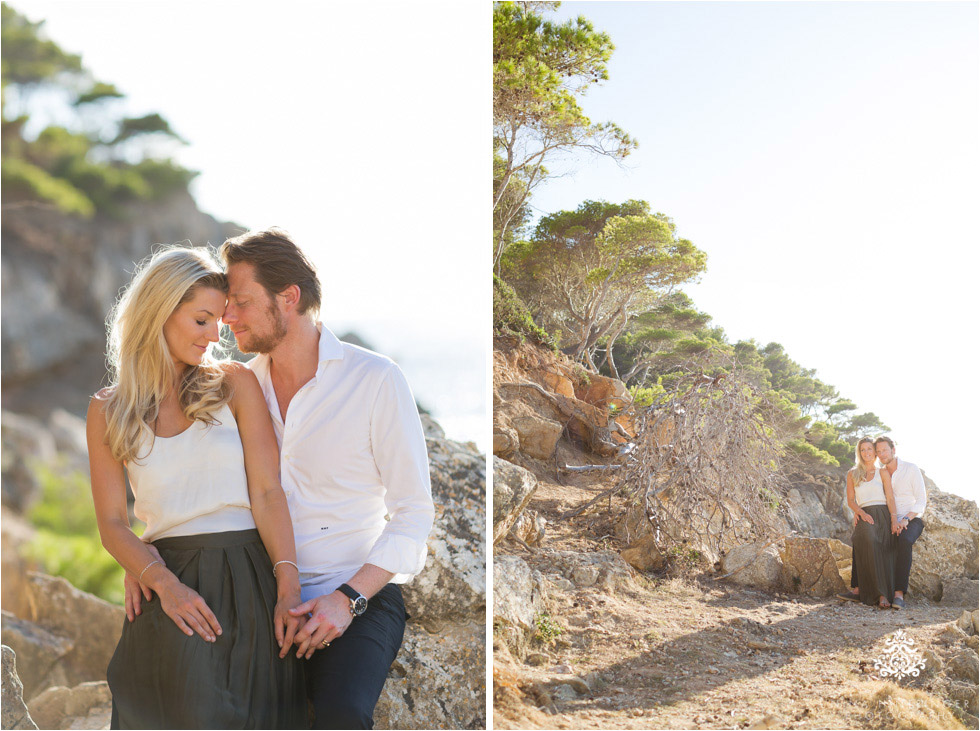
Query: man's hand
{"x": 135, "y": 591}
{"x": 330, "y": 617}
{"x": 286, "y": 624}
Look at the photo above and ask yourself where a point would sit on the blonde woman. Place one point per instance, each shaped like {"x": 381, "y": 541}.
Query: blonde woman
{"x": 217, "y": 561}
{"x": 870, "y": 498}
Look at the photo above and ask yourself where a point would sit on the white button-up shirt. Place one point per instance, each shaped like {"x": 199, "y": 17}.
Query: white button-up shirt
{"x": 354, "y": 467}
{"x": 909, "y": 489}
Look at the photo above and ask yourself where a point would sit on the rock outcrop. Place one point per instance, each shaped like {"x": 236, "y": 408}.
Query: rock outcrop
{"x": 947, "y": 549}
{"x": 15, "y": 714}
{"x": 513, "y": 487}
{"x": 518, "y": 601}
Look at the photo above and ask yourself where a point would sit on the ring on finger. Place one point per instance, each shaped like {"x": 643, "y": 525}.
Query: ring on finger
{"x": 325, "y": 643}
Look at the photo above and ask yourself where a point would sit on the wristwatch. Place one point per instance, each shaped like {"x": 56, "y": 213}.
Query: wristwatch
{"x": 358, "y": 602}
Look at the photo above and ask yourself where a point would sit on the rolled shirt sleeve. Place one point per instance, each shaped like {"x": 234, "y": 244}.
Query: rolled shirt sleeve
{"x": 398, "y": 445}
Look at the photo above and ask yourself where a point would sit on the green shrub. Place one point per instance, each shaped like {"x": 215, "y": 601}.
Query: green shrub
{"x": 805, "y": 449}
{"x": 511, "y": 316}
{"x": 21, "y": 179}
{"x": 67, "y": 541}
{"x": 547, "y": 630}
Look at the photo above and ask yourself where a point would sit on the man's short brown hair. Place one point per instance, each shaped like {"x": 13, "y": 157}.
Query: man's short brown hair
{"x": 278, "y": 264}
{"x": 887, "y": 440}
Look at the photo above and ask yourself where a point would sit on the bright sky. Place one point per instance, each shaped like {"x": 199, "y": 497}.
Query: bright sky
{"x": 362, "y": 128}
{"x": 826, "y": 156}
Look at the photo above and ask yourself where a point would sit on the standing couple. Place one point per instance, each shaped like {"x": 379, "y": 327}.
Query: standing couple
{"x": 284, "y": 501}
{"x": 888, "y": 503}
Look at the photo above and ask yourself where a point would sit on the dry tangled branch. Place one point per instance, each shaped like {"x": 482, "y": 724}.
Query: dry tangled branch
{"x": 706, "y": 467}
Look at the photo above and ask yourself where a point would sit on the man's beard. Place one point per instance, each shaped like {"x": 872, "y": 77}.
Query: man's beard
{"x": 267, "y": 343}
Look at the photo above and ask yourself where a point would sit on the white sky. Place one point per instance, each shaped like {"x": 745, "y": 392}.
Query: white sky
{"x": 825, "y": 156}
{"x": 362, "y": 128}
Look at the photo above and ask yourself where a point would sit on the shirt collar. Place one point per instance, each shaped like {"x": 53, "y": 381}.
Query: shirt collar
{"x": 329, "y": 348}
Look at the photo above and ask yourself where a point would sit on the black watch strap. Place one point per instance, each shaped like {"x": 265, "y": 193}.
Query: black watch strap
{"x": 358, "y": 602}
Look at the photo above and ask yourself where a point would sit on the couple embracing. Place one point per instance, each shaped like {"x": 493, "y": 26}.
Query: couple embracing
{"x": 888, "y": 503}
{"x": 285, "y": 500}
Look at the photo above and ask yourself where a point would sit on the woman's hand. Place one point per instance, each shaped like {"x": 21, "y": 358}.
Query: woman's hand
{"x": 286, "y": 624}
{"x": 135, "y": 591}
{"x": 866, "y": 517}
{"x": 188, "y": 610}
{"x": 896, "y": 527}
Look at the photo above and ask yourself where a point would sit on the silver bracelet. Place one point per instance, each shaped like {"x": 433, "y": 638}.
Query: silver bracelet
{"x": 140, "y": 579}
{"x": 276, "y": 564}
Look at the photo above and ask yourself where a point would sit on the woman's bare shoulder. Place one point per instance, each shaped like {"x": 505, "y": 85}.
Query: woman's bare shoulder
{"x": 104, "y": 394}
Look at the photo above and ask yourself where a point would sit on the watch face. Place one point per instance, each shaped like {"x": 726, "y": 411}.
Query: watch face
{"x": 360, "y": 606}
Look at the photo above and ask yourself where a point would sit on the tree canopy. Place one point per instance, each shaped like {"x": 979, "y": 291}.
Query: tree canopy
{"x": 98, "y": 159}
{"x": 541, "y": 69}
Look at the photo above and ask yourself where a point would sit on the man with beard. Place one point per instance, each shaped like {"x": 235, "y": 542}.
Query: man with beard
{"x": 354, "y": 468}
{"x": 910, "y": 503}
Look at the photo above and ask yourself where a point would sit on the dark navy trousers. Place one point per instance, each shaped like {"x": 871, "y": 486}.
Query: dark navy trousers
{"x": 344, "y": 681}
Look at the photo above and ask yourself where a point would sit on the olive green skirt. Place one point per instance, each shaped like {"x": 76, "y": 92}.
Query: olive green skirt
{"x": 874, "y": 555}
{"x": 162, "y": 679}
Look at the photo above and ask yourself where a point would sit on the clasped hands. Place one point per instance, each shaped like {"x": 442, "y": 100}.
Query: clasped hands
{"x": 897, "y": 525}
{"x": 307, "y": 625}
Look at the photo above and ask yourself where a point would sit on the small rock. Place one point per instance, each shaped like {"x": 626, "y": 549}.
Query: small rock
{"x": 537, "y": 659}
{"x": 562, "y": 669}
{"x": 963, "y": 666}
{"x": 584, "y": 576}
{"x": 564, "y": 692}
{"x": 965, "y": 622}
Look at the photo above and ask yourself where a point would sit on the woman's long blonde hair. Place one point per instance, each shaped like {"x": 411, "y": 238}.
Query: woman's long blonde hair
{"x": 859, "y": 469}
{"x": 142, "y": 370}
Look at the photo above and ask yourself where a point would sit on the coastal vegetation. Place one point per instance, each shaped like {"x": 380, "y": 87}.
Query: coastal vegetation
{"x": 604, "y": 282}
{"x": 66, "y": 140}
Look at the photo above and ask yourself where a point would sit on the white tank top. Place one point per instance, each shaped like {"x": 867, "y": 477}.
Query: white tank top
{"x": 871, "y": 492}
{"x": 193, "y": 482}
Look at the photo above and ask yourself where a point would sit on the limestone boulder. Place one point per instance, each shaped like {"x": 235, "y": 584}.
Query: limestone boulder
{"x": 556, "y": 382}
{"x": 25, "y": 444}
{"x": 602, "y": 391}
{"x": 453, "y": 582}
{"x": 92, "y": 625}
{"x": 644, "y": 555}
{"x": 15, "y": 532}
{"x": 506, "y": 442}
{"x": 809, "y": 567}
{"x": 517, "y": 601}
{"x": 947, "y": 548}
{"x": 538, "y": 436}
{"x": 963, "y": 666}
{"x": 14, "y": 714}
{"x": 607, "y": 571}
{"x": 960, "y": 592}
{"x": 513, "y": 487}
{"x": 87, "y": 705}
{"x": 530, "y": 527}
{"x": 754, "y": 565}
{"x": 437, "y": 681}
{"x": 39, "y": 653}
{"x": 430, "y": 427}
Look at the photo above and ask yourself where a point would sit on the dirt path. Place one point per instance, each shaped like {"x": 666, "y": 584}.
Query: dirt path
{"x": 690, "y": 652}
